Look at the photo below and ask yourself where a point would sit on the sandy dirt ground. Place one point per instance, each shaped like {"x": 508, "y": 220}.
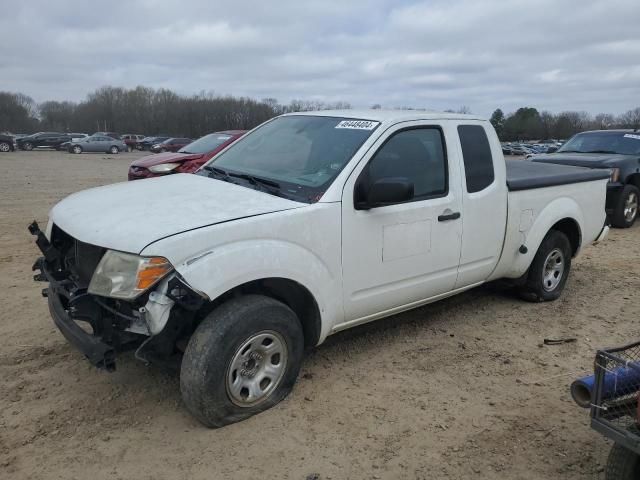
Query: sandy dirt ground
{"x": 459, "y": 389}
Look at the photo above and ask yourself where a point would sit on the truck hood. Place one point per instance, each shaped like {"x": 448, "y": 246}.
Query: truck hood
{"x": 167, "y": 157}
{"x": 590, "y": 160}
{"x": 129, "y": 216}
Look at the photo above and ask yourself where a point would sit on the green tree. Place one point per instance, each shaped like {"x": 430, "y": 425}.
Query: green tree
{"x": 497, "y": 120}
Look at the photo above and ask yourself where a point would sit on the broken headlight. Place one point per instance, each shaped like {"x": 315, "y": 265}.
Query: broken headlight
{"x": 124, "y": 275}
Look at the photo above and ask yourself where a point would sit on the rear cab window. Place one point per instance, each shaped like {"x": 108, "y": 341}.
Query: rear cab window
{"x": 476, "y": 154}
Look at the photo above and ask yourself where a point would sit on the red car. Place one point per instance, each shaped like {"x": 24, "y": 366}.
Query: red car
{"x": 187, "y": 160}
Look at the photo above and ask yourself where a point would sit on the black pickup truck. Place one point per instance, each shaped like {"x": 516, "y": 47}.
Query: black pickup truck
{"x": 616, "y": 150}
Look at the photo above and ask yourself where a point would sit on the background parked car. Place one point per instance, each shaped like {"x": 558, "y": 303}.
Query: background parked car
{"x": 132, "y": 140}
{"x": 187, "y": 159}
{"x": 42, "y": 140}
{"x": 6, "y": 143}
{"x": 98, "y": 143}
{"x": 171, "y": 145}
{"x": 148, "y": 142}
{"x": 74, "y": 137}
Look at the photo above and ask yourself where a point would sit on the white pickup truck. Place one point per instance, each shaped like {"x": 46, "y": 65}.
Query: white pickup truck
{"x": 310, "y": 224}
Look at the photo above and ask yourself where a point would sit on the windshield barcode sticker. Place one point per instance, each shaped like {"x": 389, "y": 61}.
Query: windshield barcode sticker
{"x": 631, "y": 135}
{"x": 357, "y": 124}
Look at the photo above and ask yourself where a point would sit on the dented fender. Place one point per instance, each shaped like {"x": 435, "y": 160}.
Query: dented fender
{"x": 282, "y": 245}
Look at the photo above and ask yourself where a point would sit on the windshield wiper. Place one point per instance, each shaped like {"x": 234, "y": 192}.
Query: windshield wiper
{"x": 220, "y": 173}
{"x": 255, "y": 180}
{"x": 272, "y": 187}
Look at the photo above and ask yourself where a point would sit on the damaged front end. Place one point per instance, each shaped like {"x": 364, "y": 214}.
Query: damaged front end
{"x": 99, "y": 326}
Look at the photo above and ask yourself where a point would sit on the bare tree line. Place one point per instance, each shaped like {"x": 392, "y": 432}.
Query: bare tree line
{"x": 161, "y": 111}
{"x": 145, "y": 110}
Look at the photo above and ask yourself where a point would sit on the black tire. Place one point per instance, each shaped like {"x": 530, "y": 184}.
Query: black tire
{"x": 537, "y": 287}
{"x": 206, "y": 364}
{"x": 28, "y": 146}
{"x": 5, "y": 147}
{"x": 77, "y": 149}
{"x": 622, "y": 464}
{"x": 113, "y": 150}
{"x": 619, "y": 219}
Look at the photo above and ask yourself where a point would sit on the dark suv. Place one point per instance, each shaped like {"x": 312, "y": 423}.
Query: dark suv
{"x": 170, "y": 145}
{"x": 42, "y": 139}
{"x": 147, "y": 142}
{"x": 616, "y": 150}
{"x": 6, "y": 143}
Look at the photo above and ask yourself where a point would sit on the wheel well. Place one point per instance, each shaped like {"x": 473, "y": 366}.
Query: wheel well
{"x": 571, "y": 229}
{"x": 633, "y": 179}
{"x": 289, "y": 292}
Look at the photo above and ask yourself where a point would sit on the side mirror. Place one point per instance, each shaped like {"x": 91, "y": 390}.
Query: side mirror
{"x": 552, "y": 149}
{"x": 385, "y": 191}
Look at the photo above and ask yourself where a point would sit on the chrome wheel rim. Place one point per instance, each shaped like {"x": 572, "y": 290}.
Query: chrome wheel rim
{"x": 257, "y": 368}
{"x": 114, "y": 150}
{"x": 553, "y": 270}
{"x": 631, "y": 207}
{"x": 4, "y": 147}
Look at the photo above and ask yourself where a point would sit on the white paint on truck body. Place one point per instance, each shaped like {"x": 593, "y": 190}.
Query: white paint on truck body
{"x": 359, "y": 265}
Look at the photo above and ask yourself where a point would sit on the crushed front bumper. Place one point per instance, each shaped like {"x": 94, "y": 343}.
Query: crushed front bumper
{"x": 99, "y": 353}
{"x": 62, "y": 300}
{"x": 69, "y": 303}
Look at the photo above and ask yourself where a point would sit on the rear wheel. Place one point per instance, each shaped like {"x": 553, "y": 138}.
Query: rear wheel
{"x": 27, "y": 146}
{"x": 5, "y": 147}
{"x": 242, "y": 359}
{"x": 626, "y": 208}
{"x": 114, "y": 150}
{"x": 622, "y": 464}
{"x": 76, "y": 149}
{"x": 549, "y": 270}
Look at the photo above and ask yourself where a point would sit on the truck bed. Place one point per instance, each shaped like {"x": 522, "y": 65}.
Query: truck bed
{"x": 526, "y": 175}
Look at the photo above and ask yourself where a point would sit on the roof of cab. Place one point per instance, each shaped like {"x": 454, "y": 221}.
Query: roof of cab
{"x": 390, "y": 116}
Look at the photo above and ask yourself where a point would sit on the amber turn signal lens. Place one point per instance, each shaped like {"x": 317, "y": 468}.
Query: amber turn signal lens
{"x": 152, "y": 271}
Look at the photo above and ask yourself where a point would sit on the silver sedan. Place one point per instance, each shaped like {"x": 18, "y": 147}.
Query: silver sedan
{"x": 98, "y": 143}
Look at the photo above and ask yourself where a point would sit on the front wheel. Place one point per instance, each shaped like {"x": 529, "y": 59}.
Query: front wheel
{"x": 77, "y": 149}
{"x": 626, "y": 208}
{"x": 549, "y": 269}
{"x": 242, "y": 359}
{"x": 622, "y": 464}
{"x": 28, "y": 146}
{"x": 114, "y": 150}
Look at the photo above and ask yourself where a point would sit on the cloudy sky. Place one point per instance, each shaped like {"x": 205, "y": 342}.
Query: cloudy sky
{"x": 551, "y": 54}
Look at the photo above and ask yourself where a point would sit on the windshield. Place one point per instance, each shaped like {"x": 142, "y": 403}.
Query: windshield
{"x": 299, "y": 155}
{"x": 625, "y": 143}
{"x": 206, "y": 144}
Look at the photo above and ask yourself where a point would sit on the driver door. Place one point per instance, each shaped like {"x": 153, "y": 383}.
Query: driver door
{"x": 402, "y": 254}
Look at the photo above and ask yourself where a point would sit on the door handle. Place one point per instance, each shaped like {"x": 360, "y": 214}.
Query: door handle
{"x": 449, "y": 216}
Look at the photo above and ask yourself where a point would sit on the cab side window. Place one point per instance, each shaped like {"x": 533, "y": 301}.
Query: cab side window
{"x": 476, "y": 154}
{"x": 417, "y": 155}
